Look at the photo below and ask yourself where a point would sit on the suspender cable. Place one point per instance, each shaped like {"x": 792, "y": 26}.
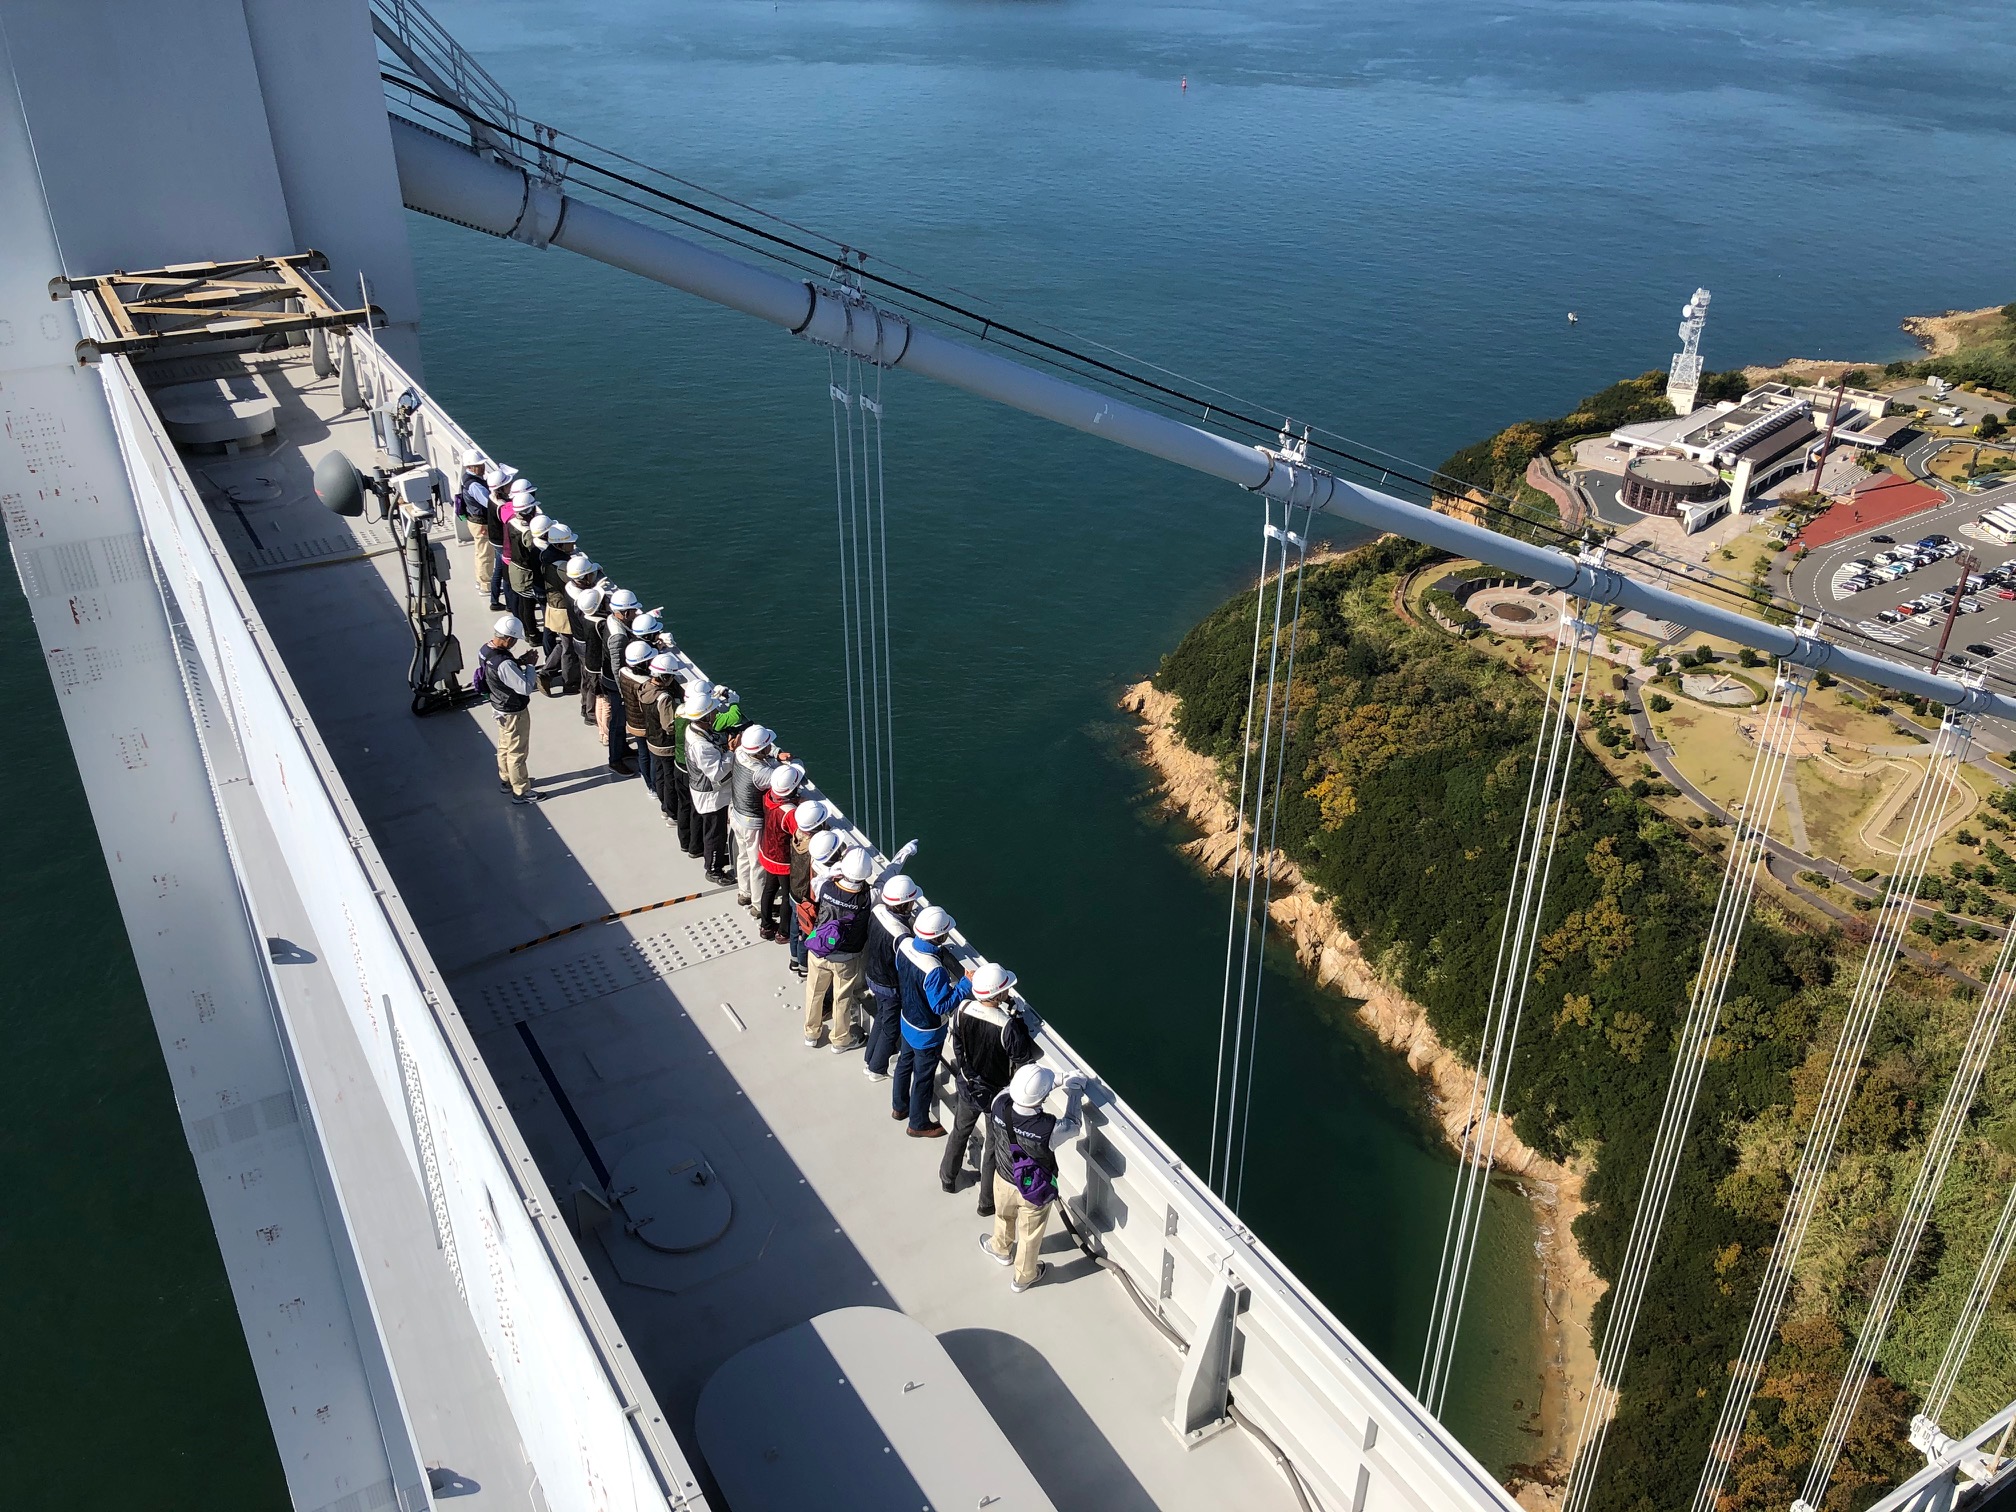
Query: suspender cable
{"x": 1238, "y": 829}
{"x": 1982, "y": 1038}
{"x": 1878, "y": 965}
{"x": 843, "y": 400}
{"x": 1236, "y": 1100}
{"x": 1532, "y": 868}
{"x": 888, "y": 693}
{"x": 1986, "y": 1279}
{"x": 1776, "y": 730}
{"x": 1301, "y": 545}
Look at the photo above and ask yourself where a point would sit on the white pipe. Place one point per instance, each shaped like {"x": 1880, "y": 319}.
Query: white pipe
{"x": 443, "y": 178}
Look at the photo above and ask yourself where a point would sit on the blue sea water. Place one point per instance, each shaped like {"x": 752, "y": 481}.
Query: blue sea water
{"x": 1375, "y": 216}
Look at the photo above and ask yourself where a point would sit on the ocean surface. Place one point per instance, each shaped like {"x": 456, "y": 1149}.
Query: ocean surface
{"x": 1376, "y": 216}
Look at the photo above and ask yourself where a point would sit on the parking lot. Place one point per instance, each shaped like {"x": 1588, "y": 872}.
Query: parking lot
{"x": 1818, "y": 583}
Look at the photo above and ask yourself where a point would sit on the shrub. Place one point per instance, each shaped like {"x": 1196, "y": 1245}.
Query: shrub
{"x": 1824, "y": 679}
{"x": 1658, "y": 703}
{"x": 1865, "y": 874}
{"x": 1863, "y": 905}
{"x": 1976, "y": 932}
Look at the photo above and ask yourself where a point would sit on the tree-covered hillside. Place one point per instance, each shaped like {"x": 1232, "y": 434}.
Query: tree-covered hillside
{"x": 1408, "y": 759}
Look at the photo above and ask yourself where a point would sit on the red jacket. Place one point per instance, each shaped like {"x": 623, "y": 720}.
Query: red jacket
{"x": 773, "y": 851}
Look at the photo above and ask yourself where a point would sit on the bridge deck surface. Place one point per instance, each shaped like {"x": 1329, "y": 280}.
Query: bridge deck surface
{"x": 680, "y": 1023}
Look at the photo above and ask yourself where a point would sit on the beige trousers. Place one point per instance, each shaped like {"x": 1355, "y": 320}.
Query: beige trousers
{"x": 1018, "y": 1228}
{"x": 843, "y": 975}
{"x": 486, "y": 562}
{"x": 514, "y": 744}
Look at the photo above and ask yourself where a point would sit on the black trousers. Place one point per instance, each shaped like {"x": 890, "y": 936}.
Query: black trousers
{"x": 966, "y": 1116}
{"x": 713, "y": 835}
{"x": 559, "y": 663}
{"x": 769, "y": 917}
{"x": 591, "y": 683}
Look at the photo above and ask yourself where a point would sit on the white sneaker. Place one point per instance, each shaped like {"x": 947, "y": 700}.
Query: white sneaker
{"x": 1042, "y": 1270}
{"x": 811, "y": 1042}
{"x": 987, "y": 1248}
{"x": 872, "y": 1074}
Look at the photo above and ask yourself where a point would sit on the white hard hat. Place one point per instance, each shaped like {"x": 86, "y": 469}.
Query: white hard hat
{"x": 494, "y": 476}
{"x": 560, "y": 535}
{"x": 646, "y": 623}
{"x": 521, "y": 487}
{"x": 757, "y": 738}
{"x": 701, "y": 699}
{"x": 858, "y": 867}
{"x": 636, "y": 653}
{"x": 623, "y": 598}
{"x": 824, "y": 844}
{"x": 589, "y": 600}
{"x": 509, "y": 625}
{"x": 899, "y": 890}
{"x": 784, "y": 781}
{"x": 664, "y": 664}
{"x": 472, "y": 456}
{"x": 992, "y": 981}
{"x": 810, "y": 814}
{"x": 539, "y": 525}
{"x": 1029, "y": 1086}
{"x": 933, "y": 924}
{"x": 578, "y": 565}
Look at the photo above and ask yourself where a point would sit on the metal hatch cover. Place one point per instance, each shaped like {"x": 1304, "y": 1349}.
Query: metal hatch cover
{"x": 672, "y": 1196}
{"x": 860, "y": 1408}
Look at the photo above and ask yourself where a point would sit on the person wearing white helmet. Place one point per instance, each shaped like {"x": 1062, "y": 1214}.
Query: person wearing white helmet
{"x": 591, "y": 610}
{"x": 1026, "y": 1140}
{"x": 558, "y": 668}
{"x": 496, "y": 486}
{"x": 839, "y": 930}
{"x": 472, "y": 505}
{"x": 506, "y": 681}
{"x": 633, "y": 685}
{"x": 708, "y": 768}
{"x": 808, "y": 824}
{"x": 521, "y": 552}
{"x": 773, "y": 848}
{"x": 896, "y": 903}
{"x": 755, "y": 759}
{"x": 621, "y": 608}
{"x": 930, "y": 983}
{"x": 584, "y": 597}
{"x": 988, "y": 1041}
{"x": 662, "y": 695}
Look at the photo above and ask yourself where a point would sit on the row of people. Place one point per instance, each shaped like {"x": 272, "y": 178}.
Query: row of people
{"x": 880, "y": 974}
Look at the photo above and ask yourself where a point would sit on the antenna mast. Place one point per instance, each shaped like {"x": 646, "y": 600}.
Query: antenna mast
{"x": 1683, "y": 382}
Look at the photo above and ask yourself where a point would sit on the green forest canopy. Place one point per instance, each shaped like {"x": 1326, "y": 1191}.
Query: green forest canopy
{"x": 1407, "y": 755}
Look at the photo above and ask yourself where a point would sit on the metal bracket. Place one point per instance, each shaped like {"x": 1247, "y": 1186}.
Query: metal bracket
{"x": 1204, "y": 1386}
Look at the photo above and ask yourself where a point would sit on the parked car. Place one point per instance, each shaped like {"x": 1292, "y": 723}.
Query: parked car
{"x": 1861, "y": 562}
{"x": 1982, "y": 651}
{"x": 1907, "y": 610}
{"x": 1947, "y": 549}
{"x": 2005, "y": 593}
{"x": 1956, "y": 661}
{"x": 1889, "y": 617}
{"x": 1971, "y": 605}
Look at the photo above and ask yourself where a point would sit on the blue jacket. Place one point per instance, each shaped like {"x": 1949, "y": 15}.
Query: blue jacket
{"x": 929, "y": 990}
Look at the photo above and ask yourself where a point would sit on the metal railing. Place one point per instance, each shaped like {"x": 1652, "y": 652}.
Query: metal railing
{"x": 429, "y": 50}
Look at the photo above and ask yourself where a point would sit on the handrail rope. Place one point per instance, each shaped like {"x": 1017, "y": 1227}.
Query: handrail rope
{"x": 1522, "y": 979}
{"x": 1239, "y": 1095}
{"x": 840, "y": 399}
{"x": 1528, "y": 897}
{"x": 871, "y": 659}
{"x": 1802, "y": 1202}
{"x": 1238, "y": 828}
{"x": 1273, "y": 834}
{"x": 851, "y": 565}
{"x": 1432, "y": 1348}
{"x": 1776, "y": 731}
{"x": 1982, "y": 1038}
{"x": 1987, "y": 1277}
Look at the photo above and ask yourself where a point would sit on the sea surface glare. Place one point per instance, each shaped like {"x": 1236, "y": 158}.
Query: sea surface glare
{"x": 1375, "y": 215}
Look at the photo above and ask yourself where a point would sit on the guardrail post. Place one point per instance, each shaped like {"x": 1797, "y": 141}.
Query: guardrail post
{"x": 1204, "y": 1387}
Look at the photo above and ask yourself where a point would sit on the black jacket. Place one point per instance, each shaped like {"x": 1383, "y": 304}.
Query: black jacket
{"x": 985, "y": 1054}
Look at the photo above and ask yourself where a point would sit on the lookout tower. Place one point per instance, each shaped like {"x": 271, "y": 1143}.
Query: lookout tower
{"x": 1683, "y": 383}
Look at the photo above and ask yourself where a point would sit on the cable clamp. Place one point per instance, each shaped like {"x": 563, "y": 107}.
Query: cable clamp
{"x": 835, "y": 390}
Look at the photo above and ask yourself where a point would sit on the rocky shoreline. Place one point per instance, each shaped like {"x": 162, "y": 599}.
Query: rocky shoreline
{"x": 1567, "y": 1287}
